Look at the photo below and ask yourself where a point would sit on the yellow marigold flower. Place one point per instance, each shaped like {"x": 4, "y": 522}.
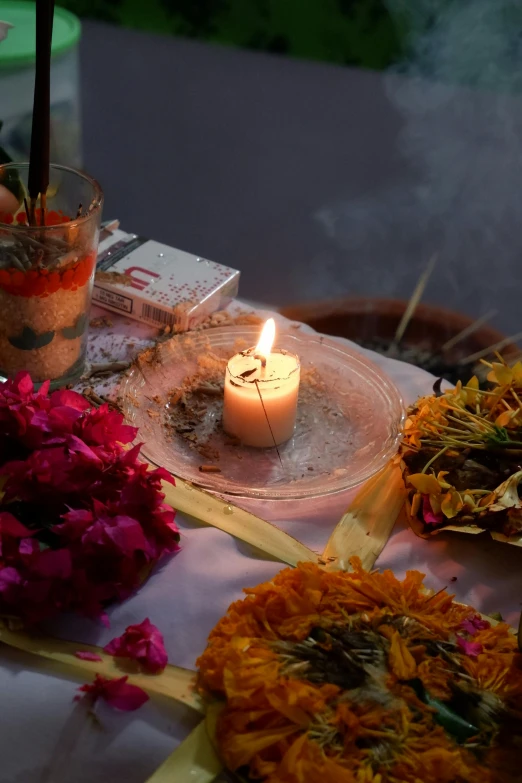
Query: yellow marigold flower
{"x": 472, "y": 387}
{"x": 451, "y": 504}
{"x": 505, "y": 418}
{"x": 425, "y": 483}
{"x": 505, "y": 375}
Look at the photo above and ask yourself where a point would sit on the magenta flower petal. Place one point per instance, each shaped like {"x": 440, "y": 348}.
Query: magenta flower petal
{"x": 117, "y": 692}
{"x": 62, "y": 419}
{"x": 9, "y": 577}
{"x": 77, "y": 446}
{"x": 85, "y": 655}
{"x": 122, "y": 696}
{"x": 143, "y": 643}
{"x": 473, "y": 624}
{"x": 69, "y": 399}
{"x": 43, "y": 391}
{"x": 103, "y": 617}
{"x": 103, "y": 427}
{"x": 23, "y": 383}
{"x": 116, "y": 647}
{"x": 157, "y": 658}
{"x": 28, "y": 546}
{"x": 430, "y": 517}
{"x": 473, "y": 649}
{"x": 53, "y": 564}
{"x": 76, "y": 523}
{"x": 10, "y": 526}
{"x": 127, "y": 534}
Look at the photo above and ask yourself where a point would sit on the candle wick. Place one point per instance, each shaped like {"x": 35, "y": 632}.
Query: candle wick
{"x": 268, "y": 422}
{"x": 262, "y": 359}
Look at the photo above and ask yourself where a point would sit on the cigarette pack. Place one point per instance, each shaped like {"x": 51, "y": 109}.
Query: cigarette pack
{"x": 158, "y": 284}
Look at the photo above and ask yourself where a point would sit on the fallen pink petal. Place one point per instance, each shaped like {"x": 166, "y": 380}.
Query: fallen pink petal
{"x": 142, "y": 643}
{"x": 85, "y": 655}
{"x": 116, "y": 692}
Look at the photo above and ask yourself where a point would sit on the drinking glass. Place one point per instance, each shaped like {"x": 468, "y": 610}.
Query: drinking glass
{"x": 46, "y": 273}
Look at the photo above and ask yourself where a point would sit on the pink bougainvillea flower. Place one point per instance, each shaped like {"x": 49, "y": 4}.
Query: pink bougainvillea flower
{"x": 103, "y": 427}
{"x": 473, "y": 624}
{"x": 473, "y": 649}
{"x": 18, "y": 405}
{"x": 76, "y": 523}
{"x": 10, "y": 526}
{"x": 86, "y": 655}
{"x": 116, "y": 692}
{"x": 64, "y": 398}
{"x": 10, "y": 579}
{"x": 22, "y": 384}
{"x": 28, "y": 546}
{"x": 430, "y": 517}
{"x": 123, "y": 533}
{"x": 143, "y": 643}
{"x": 12, "y": 536}
{"x": 82, "y": 521}
{"x": 52, "y": 564}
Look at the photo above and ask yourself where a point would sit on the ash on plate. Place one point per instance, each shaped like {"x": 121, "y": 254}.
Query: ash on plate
{"x": 194, "y": 409}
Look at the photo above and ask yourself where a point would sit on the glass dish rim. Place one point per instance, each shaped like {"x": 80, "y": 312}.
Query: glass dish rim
{"x": 98, "y": 199}
{"x": 208, "y": 481}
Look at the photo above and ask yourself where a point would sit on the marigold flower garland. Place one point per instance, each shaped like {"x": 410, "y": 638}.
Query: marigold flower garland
{"x": 355, "y": 677}
{"x": 82, "y": 521}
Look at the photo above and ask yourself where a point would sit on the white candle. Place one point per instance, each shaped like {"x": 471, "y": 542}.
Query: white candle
{"x": 261, "y": 390}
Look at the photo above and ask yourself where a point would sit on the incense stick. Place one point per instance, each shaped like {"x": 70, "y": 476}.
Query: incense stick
{"x": 474, "y": 357}
{"x": 415, "y": 299}
{"x": 38, "y": 178}
{"x": 468, "y": 330}
{"x": 268, "y": 422}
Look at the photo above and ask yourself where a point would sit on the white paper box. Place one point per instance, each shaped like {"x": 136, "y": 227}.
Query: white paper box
{"x": 158, "y": 284}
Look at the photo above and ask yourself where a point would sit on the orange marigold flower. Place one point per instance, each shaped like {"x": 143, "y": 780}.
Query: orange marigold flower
{"x": 358, "y": 678}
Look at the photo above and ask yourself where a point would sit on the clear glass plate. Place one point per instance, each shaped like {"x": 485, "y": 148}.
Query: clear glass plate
{"x": 348, "y": 426}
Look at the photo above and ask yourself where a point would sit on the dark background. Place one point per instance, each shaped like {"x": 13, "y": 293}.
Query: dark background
{"x": 323, "y": 147}
{"x": 367, "y": 33}
{"x": 319, "y": 180}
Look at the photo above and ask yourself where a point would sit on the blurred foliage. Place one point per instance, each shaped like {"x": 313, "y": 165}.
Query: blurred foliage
{"x": 354, "y": 32}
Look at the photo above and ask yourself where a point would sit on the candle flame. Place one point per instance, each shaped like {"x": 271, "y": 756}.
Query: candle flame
{"x": 266, "y": 340}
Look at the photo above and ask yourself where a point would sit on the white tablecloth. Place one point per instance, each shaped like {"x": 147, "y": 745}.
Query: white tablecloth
{"x": 185, "y": 597}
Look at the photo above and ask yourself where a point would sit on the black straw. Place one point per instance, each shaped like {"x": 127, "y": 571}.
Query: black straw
{"x": 268, "y": 422}
{"x": 38, "y": 180}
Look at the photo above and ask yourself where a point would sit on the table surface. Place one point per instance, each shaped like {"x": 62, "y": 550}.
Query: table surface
{"x": 314, "y": 180}
{"x": 185, "y": 597}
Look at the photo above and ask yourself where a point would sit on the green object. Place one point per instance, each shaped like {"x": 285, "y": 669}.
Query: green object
{"x": 347, "y": 32}
{"x": 450, "y": 721}
{"x": 19, "y": 48}
{"x": 72, "y": 332}
{"x": 28, "y": 340}
{"x": 459, "y": 728}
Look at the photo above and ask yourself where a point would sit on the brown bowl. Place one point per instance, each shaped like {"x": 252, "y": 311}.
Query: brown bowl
{"x": 364, "y": 319}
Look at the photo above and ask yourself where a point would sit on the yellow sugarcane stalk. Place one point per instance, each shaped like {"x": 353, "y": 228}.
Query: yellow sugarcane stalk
{"x": 367, "y": 524}
{"x": 194, "y": 761}
{"x": 174, "y": 682}
{"x": 213, "y": 510}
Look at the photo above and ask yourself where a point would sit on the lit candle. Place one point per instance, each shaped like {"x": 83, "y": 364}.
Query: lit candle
{"x": 261, "y": 390}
